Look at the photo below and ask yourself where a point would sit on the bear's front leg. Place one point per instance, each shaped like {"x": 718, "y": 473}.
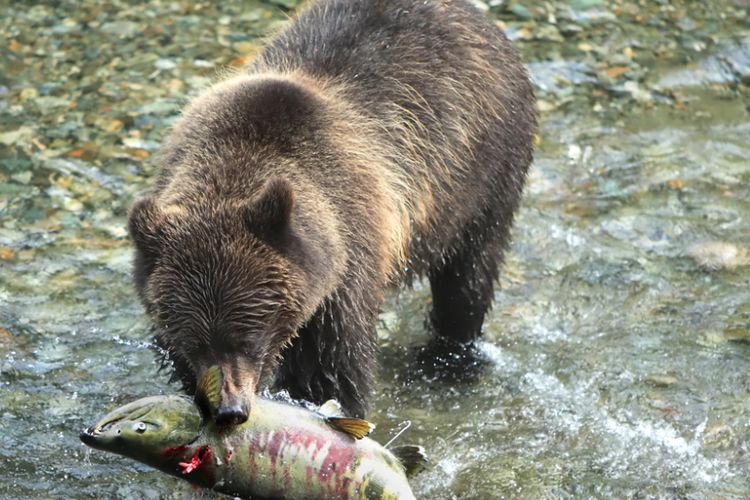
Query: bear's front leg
{"x": 333, "y": 356}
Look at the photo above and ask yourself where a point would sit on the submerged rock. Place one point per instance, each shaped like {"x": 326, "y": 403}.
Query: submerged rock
{"x": 661, "y": 380}
{"x": 729, "y": 63}
{"x": 718, "y": 255}
{"x": 718, "y": 435}
{"x": 737, "y": 335}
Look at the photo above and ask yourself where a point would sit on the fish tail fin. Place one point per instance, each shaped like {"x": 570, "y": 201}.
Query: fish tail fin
{"x": 412, "y": 457}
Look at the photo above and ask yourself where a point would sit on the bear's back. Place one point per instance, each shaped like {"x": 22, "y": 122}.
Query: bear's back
{"x": 445, "y": 86}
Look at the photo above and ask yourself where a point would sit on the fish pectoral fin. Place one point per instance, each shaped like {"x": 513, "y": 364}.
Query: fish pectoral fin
{"x": 331, "y": 408}
{"x": 355, "y": 427}
{"x": 412, "y": 457}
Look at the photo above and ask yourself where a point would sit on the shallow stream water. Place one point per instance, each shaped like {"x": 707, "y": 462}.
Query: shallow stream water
{"x": 617, "y": 356}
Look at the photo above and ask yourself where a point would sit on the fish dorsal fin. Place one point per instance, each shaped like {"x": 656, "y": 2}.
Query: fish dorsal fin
{"x": 331, "y": 408}
{"x": 413, "y": 458}
{"x": 208, "y": 393}
{"x": 354, "y": 427}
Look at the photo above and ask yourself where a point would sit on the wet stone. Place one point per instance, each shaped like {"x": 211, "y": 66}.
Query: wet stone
{"x": 718, "y": 255}
{"x": 718, "y": 435}
{"x": 738, "y": 335}
{"x": 728, "y": 63}
{"x": 661, "y": 380}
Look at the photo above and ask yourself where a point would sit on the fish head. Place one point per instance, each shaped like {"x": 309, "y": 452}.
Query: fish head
{"x": 148, "y": 430}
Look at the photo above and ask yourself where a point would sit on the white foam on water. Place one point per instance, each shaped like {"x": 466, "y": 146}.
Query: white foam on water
{"x": 140, "y": 344}
{"x": 450, "y": 466}
{"x": 438, "y": 478}
{"x": 629, "y": 445}
{"x": 498, "y": 357}
{"x": 542, "y": 334}
{"x": 626, "y": 447}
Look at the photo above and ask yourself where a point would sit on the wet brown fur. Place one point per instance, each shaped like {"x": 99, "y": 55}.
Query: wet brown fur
{"x": 371, "y": 142}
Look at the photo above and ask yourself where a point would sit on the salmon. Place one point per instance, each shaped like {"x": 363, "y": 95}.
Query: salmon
{"x": 283, "y": 450}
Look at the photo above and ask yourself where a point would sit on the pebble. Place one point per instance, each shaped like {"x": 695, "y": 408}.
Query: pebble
{"x": 718, "y": 255}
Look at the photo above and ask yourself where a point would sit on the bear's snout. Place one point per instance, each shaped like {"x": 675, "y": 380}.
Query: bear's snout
{"x": 226, "y": 390}
{"x": 239, "y": 382}
{"x": 231, "y": 413}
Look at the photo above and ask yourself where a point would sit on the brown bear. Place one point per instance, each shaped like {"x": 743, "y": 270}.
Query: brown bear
{"x": 371, "y": 142}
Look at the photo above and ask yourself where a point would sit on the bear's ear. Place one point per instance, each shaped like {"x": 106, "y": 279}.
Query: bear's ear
{"x": 143, "y": 224}
{"x": 270, "y": 215}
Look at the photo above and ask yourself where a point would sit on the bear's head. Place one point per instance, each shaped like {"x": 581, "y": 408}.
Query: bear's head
{"x": 228, "y": 284}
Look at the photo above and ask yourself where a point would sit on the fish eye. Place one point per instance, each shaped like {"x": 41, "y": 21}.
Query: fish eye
{"x": 140, "y": 427}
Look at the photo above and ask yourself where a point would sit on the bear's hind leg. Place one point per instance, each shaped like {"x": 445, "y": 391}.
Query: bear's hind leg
{"x": 462, "y": 292}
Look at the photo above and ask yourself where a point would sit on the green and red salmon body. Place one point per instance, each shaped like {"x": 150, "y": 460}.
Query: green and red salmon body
{"x": 282, "y": 451}
{"x": 299, "y": 458}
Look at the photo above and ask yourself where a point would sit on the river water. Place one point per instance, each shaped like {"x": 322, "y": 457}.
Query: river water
{"x": 616, "y": 361}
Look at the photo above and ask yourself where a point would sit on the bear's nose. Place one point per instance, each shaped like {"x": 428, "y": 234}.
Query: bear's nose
{"x": 231, "y": 414}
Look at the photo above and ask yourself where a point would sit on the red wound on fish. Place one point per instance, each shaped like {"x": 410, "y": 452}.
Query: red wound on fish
{"x": 173, "y": 452}
{"x": 202, "y": 455}
{"x": 194, "y": 463}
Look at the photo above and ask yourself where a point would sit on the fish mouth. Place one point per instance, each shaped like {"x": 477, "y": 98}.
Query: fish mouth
{"x": 88, "y": 436}
{"x": 91, "y": 435}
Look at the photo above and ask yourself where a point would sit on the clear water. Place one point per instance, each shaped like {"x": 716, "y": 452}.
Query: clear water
{"x": 616, "y": 365}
